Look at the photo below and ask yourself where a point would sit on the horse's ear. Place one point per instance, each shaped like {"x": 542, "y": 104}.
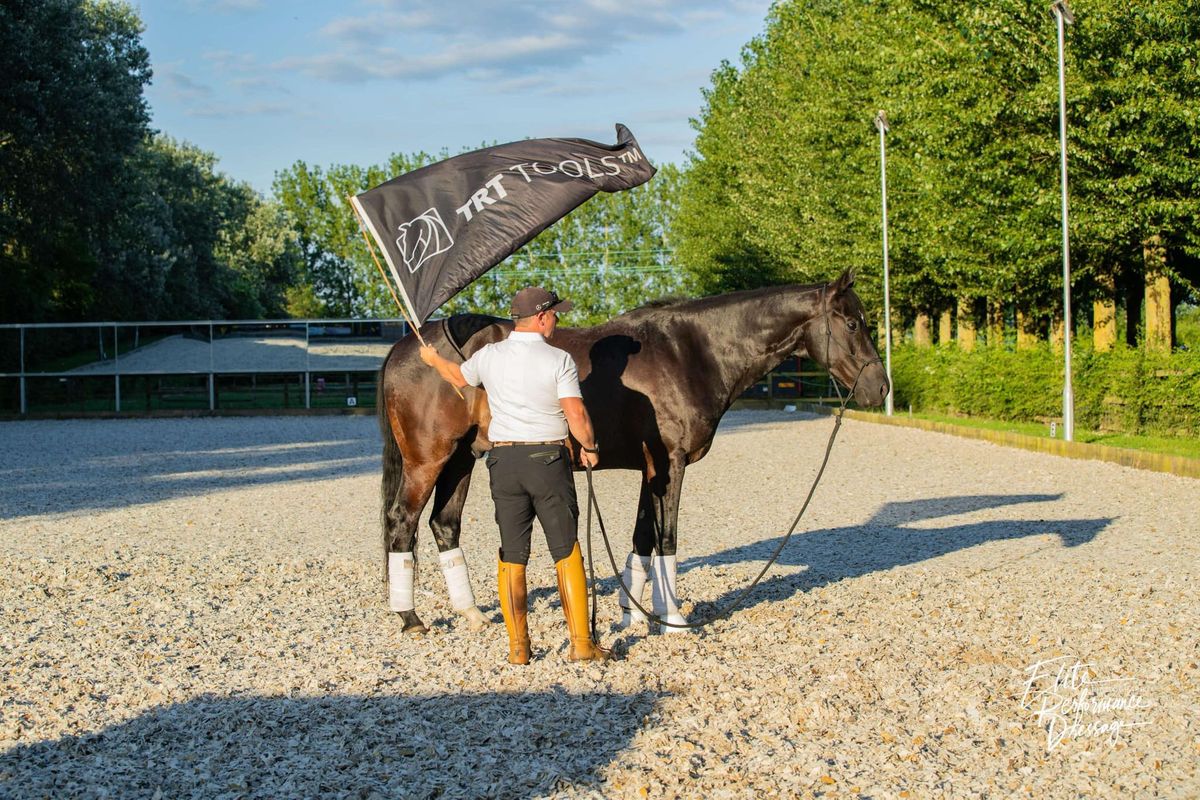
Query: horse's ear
{"x": 844, "y": 282}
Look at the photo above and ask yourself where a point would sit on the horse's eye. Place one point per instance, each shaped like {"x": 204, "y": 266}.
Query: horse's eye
{"x": 852, "y": 324}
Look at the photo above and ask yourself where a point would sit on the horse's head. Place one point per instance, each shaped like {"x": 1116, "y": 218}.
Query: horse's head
{"x": 838, "y": 338}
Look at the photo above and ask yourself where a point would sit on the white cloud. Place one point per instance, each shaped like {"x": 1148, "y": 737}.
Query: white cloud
{"x": 258, "y": 84}
{"x": 392, "y": 39}
{"x": 371, "y": 29}
{"x": 219, "y": 111}
{"x": 229, "y": 61}
{"x": 522, "y": 84}
{"x": 483, "y": 59}
{"x": 225, "y": 6}
{"x": 179, "y": 86}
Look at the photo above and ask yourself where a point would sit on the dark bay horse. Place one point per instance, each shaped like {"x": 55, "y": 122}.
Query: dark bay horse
{"x": 656, "y": 382}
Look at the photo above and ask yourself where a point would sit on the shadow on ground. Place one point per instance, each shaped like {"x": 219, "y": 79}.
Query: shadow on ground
{"x": 888, "y": 539}
{"x": 461, "y": 745}
{"x": 84, "y": 465}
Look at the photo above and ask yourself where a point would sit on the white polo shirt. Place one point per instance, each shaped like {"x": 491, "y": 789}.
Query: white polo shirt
{"x": 524, "y": 377}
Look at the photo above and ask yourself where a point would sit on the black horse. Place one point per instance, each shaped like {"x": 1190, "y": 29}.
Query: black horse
{"x": 656, "y": 382}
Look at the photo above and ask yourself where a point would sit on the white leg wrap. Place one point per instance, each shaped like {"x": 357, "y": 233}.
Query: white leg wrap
{"x": 635, "y": 575}
{"x": 662, "y": 592}
{"x": 458, "y": 581}
{"x": 402, "y": 569}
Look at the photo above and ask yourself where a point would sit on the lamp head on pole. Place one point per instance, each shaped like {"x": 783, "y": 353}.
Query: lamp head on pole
{"x": 1061, "y": 9}
{"x": 881, "y": 122}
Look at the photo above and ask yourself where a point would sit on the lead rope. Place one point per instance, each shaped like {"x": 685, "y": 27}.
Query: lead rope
{"x": 737, "y": 601}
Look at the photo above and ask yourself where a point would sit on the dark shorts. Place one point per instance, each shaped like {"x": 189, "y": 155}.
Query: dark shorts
{"x": 529, "y": 481}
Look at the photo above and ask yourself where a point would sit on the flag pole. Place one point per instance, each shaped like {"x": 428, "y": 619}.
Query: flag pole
{"x": 382, "y": 274}
{"x": 403, "y": 311}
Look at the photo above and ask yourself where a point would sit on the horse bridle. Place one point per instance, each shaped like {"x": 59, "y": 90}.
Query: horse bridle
{"x": 827, "y": 316}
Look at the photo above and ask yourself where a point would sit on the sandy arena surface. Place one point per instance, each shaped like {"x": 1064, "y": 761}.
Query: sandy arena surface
{"x": 192, "y": 608}
{"x": 180, "y": 354}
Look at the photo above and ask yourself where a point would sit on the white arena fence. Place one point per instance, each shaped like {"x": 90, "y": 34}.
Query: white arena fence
{"x": 136, "y": 368}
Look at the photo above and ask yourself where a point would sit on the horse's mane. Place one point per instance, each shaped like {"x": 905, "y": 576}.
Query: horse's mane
{"x": 664, "y": 301}
{"x": 462, "y": 327}
{"x": 673, "y": 301}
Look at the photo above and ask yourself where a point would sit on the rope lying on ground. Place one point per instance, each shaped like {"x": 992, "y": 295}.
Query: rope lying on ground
{"x": 593, "y": 503}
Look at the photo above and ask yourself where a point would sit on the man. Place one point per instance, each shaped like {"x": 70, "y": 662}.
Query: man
{"x": 533, "y": 393}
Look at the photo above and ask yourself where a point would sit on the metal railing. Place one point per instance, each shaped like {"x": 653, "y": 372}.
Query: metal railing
{"x": 71, "y": 354}
{"x": 210, "y": 365}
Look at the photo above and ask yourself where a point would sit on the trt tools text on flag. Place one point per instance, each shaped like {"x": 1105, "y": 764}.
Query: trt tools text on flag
{"x": 442, "y": 226}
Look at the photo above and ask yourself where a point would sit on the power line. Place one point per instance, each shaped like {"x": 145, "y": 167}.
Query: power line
{"x": 582, "y": 271}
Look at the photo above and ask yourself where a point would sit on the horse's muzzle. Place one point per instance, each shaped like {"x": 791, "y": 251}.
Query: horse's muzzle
{"x": 871, "y": 389}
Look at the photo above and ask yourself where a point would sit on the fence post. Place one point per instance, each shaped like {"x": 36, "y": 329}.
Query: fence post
{"x": 307, "y": 373}
{"x": 212, "y": 378}
{"x": 117, "y": 365}
{"x": 24, "y": 408}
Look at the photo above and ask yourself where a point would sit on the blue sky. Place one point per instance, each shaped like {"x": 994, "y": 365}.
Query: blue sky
{"x": 263, "y": 83}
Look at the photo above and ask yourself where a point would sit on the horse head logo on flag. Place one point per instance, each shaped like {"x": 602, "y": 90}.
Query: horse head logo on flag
{"x": 423, "y": 238}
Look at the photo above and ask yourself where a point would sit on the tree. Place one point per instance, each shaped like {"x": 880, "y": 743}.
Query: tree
{"x": 71, "y": 116}
{"x": 262, "y": 251}
{"x": 783, "y": 183}
{"x": 1135, "y": 124}
{"x": 187, "y": 242}
{"x": 337, "y": 273}
{"x": 783, "y": 186}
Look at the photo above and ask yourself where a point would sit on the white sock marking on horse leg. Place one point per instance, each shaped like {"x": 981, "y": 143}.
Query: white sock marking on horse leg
{"x": 635, "y": 575}
{"x": 402, "y": 570}
{"x": 662, "y": 592}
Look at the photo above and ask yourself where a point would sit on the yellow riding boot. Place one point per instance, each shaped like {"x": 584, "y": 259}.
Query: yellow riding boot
{"x": 572, "y": 586}
{"x": 514, "y": 607}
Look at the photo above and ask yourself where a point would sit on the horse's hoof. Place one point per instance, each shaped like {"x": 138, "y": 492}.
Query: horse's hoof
{"x": 629, "y": 617}
{"x": 674, "y": 619}
{"x": 412, "y": 623}
{"x": 476, "y": 621}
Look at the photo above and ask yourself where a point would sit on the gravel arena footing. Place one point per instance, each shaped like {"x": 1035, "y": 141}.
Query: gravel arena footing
{"x": 193, "y": 608}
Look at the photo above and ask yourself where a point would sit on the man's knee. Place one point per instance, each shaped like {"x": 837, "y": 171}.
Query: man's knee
{"x": 515, "y": 555}
{"x": 560, "y": 548}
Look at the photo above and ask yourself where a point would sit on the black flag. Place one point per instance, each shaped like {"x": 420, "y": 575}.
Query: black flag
{"x": 442, "y": 226}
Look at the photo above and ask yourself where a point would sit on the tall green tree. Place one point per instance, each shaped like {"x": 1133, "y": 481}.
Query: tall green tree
{"x": 72, "y": 114}
{"x": 220, "y": 251}
{"x": 1134, "y": 95}
{"x": 783, "y": 185}
{"x": 784, "y": 181}
{"x": 338, "y": 278}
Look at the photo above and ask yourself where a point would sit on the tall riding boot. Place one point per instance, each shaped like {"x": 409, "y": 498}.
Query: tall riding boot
{"x": 513, "y": 606}
{"x": 572, "y": 586}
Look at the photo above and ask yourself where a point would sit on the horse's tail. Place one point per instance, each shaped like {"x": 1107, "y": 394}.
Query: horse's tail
{"x": 393, "y": 467}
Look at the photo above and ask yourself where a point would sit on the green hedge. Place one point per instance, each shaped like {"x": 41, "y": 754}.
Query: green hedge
{"x": 1123, "y": 390}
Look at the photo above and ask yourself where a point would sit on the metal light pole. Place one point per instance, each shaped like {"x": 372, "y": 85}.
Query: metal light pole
{"x": 1064, "y": 17}
{"x": 882, "y": 124}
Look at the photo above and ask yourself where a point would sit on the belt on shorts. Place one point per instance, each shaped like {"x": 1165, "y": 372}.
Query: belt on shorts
{"x": 536, "y": 444}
